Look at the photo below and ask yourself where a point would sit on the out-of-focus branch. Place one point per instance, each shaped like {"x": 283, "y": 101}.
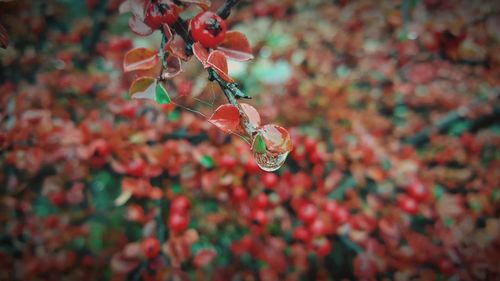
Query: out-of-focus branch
{"x": 452, "y": 118}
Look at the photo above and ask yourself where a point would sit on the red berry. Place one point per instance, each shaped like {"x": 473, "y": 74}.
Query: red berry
{"x": 407, "y": 204}
{"x": 259, "y": 217}
{"x": 270, "y": 180}
{"x": 180, "y": 204}
{"x": 58, "y": 198}
{"x": 151, "y": 247}
{"x": 310, "y": 144}
{"x": 227, "y": 162}
{"x": 317, "y": 227}
{"x": 156, "y": 14}
{"x": 446, "y": 266}
{"x": 136, "y": 167}
{"x": 261, "y": 201}
{"x": 323, "y": 248}
{"x": 208, "y": 28}
{"x": 240, "y": 194}
{"x": 308, "y": 213}
{"x": 417, "y": 190}
{"x": 251, "y": 166}
{"x": 178, "y": 222}
{"x": 302, "y": 234}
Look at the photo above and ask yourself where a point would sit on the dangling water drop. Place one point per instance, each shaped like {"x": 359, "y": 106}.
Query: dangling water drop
{"x": 270, "y": 161}
{"x": 270, "y": 147}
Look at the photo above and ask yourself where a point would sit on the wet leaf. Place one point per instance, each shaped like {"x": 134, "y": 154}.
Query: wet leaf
{"x": 259, "y": 146}
{"x": 204, "y": 4}
{"x": 201, "y": 53}
{"x": 276, "y": 138}
{"x": 235, "y": 46}
{"x": 217, "y": 61}
{"x": 173, "y": 67}
{"x": 226, "y": 117}
{"x": 143, "y": 88}
{"x": 177, "y": 47}
{"x": 162, "y": 96}
{"x": 252, "y": 114}
{"x": 138, "y": 26}
{"x": 140, "y": 59}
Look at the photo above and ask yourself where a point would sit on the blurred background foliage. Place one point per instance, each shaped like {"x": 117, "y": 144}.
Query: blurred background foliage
{"x": 392, "y": 106}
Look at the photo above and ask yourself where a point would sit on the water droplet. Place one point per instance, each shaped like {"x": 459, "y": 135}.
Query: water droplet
{"x": 270, "y": 161}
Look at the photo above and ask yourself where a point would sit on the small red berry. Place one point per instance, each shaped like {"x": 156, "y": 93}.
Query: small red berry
{"x": 323, "y": 248}
{"x": 58, "y": 198}
{"x": 156, "y": 14}
{"x": 227, "y": 162}
{"x": 318, "y": 227}
{"x": 136, "y": 167}
{"x": 446, "y": 266}
{"x": 308, "y": 213}
{"x": 208, "y": 28}
{"x": 407, "y": 204}
{"x": 302, "y": 234}
{"x": 261, "y": 201}
{"x": 180, "y": 204}
{"x": 417, "y": 190}
{"x": 178, "y": 222}
{"x": 240, "y": 194}
{"x": 310, "y": 144}
{"x": 251, "y": 166}
{"x": 151, "y": 247}
{"x": 270, "y": 180}
{"x": 259, "y": 217}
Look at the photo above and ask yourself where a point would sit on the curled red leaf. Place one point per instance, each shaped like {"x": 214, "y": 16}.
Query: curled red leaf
{"x": 138, "y": 26}
{"x": 217, "y": 61}
{"x": 235, "y": 46}
{"x": 226, "y": 117}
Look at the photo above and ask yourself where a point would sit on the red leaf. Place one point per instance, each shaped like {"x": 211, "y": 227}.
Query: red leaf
{"x": 226, "y": 117}
{"x": 177, "y": 46}
{"x": 140, "y": 59}
{"x": 143, "y": 88}
{"x": 173, "y": 67}
{"x": 276, "y": 138}
{"x": 235, "y": 46}
{"x": 201, "y": 53}
{"x": 204, "y": 4}
{"x": 121, "y": 264}
{"x": 168, "y": 33}
{"x": 4, "y": 38}
{"x": 252, "y": 113}
{"x": 217, "y": 61}
{"x": 137, "y": 7}
{"x": 204, "y": 257}
{"x": 138, "y": 26}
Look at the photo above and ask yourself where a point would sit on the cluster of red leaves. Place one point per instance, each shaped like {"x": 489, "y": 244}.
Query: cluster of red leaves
{"x": 354, "y": 201}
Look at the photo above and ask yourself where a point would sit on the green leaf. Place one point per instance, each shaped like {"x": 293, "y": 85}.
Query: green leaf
{"x": 207, "y": 161}
{"x": 438, "y": 191}
{"x": 259, "y": 145}
{"x": 162, "y": 96}
{"x": 176, "y": 188}
{"x": 97, "y": 230}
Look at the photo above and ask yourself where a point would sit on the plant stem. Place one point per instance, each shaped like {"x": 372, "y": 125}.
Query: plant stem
{"x": 225, "y": 10}
{"x": 231, "y": 90}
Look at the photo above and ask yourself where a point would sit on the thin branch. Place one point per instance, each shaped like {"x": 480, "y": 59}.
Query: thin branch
{"x": 231, "y": 90}
{"x": 225, "y": 10}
